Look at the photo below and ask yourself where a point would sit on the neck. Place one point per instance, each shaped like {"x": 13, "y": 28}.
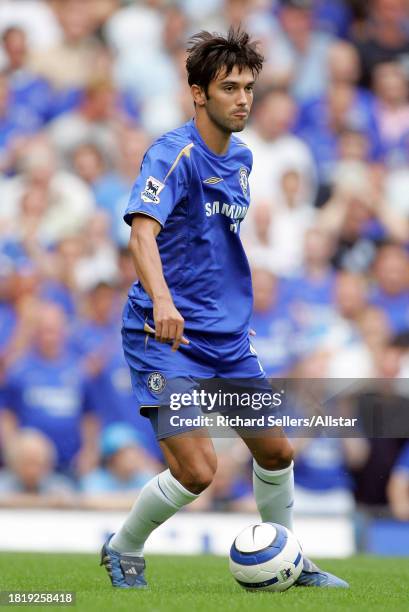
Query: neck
{"x": 316, "y": 270}
{"x": 291, "y": 201}
{"x": 50, "y": 353}
{"x": 15, "y": 65}
{"x": 301, "y": 42}
{"x": 393, "y": 104}
{"x": 216, "y": 139}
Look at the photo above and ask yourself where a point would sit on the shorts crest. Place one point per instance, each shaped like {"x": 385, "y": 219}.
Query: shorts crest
{"x": 156, "y": 382}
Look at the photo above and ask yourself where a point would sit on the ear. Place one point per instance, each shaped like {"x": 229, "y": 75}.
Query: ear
{"x": 198, "y": 95}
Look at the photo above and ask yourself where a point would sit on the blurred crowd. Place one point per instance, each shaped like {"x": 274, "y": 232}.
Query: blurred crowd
{"x": 85, "y": 87}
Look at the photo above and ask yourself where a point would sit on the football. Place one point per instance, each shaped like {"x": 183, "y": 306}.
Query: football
{"x": 266, "y": 557}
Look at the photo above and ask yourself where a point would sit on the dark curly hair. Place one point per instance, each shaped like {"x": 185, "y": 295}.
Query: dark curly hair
{"x": 210, "y": 54}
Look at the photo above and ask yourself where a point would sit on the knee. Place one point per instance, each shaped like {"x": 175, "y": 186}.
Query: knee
{"x": 278, "y": 458}
{"x": 197, "y": 475}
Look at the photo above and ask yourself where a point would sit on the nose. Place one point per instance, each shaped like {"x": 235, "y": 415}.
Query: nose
{"x": 241, "y": 98}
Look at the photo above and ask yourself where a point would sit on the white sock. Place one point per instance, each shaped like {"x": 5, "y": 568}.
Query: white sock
{"x": 274, "y": 493}
{"x": 159, "y": 499}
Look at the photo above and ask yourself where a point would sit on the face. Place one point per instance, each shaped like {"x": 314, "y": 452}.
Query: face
{"x": 390, "y": 362}
{"x": 15, "y": 46}
{"x": 390, "y": 83}
{"x": 34, "y": 202}
{"x": 353, "y": 145}
{"x": 132, "y": 146}
{"x": 296, "y": 22}
{"x": 229, "y": 99}
{"x": 374, "y": 327}
{"x": 102, "y": 303}
{"x": 391, "y": 270}
{"x": 32, "y": 463}
{"x": 50, "y": 330}
{"x": 351, "y": 292}
{"x": 75, "y": 17}
{"x": 264, "y": 289}
{"x": 343, "y": 63}
{"x": 88, "y": 163}
{"x": 291, "y": 183}
{"x": 318, "y": 247}
{"x": 126, "y": 462}
{"x": 275, "y": 115}
{"x": 389, "y": 11}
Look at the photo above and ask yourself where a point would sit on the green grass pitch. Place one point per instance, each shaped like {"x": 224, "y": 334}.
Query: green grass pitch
{"x": 203, "y": 583}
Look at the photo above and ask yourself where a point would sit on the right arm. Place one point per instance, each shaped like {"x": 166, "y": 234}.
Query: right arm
{"x": 169, "y": 323}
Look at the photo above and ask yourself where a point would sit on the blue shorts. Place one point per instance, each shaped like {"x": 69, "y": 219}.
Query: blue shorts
{"x": 157, "y": 372}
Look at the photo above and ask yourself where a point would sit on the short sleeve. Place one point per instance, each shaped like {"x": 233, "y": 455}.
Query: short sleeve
{"x": 162, "y": 182}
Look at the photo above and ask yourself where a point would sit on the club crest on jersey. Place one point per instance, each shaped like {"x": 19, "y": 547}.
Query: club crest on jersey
{"x": 244, "y": 180}
{"x": 152, "y": 190}
{"x": 156, "y": 382}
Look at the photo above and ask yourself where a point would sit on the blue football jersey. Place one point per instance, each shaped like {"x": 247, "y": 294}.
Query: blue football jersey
{"x": 200, "y": 199}
{"x": 52, "y": 396}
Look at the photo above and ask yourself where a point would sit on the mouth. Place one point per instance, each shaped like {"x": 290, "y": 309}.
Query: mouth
{"x": 241, "y": 115}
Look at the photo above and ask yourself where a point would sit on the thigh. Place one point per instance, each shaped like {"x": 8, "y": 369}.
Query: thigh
{"x": 168, "y": 423}
{"x": 189, "y": 453}
{"x": 271, "y": 449}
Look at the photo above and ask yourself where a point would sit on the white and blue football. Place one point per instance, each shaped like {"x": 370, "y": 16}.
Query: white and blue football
{"x": 266, "y": 557}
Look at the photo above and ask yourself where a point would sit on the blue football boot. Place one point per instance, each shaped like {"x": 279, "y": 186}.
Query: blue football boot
{"x": 312, "y": 575}
{"x": 125, "y": 571}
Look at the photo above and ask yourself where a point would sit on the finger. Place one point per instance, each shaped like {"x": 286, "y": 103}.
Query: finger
{"x": 184, "y": 341}
{"x": 172, "y": 331}
{"x": 158, "y": 330}
{"x": 252, "y": 332}
{"x": 176, "y": 344}
{"x": 178, "y": 336}
{"x": 165, "y": 331}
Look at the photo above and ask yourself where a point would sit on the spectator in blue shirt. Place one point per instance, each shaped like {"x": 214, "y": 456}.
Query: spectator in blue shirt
{"x": 30, "y": 93}
{"x": 94, "y": 336}
{"x": 384, "y": 36}
{"x": 47, "y": 389}
{"x": 360, "y": 218}
{"x": 113, "y": 398}
{"x": 391, "y": 108}
{"x": 342, "y": 106}
{"x": 110, "y": 189}
{"x": 275, "y": 329}
{"x": 391, "y": 291}
{"x": 297, "y": 48}
{"x": 29, "y": 480}
{"x": 125, "y": 469}
{"x": 334, "y": 17}
{"x": 14, "y": 126}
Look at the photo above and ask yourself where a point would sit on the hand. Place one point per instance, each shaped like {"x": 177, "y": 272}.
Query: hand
{"x": 252, "y": 332}
{"x": 169, "y": 323}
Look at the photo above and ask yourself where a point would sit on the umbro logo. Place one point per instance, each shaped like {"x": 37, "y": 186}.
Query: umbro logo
{"x": 213, "y": 180}
{"x": 131, "y": 570}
